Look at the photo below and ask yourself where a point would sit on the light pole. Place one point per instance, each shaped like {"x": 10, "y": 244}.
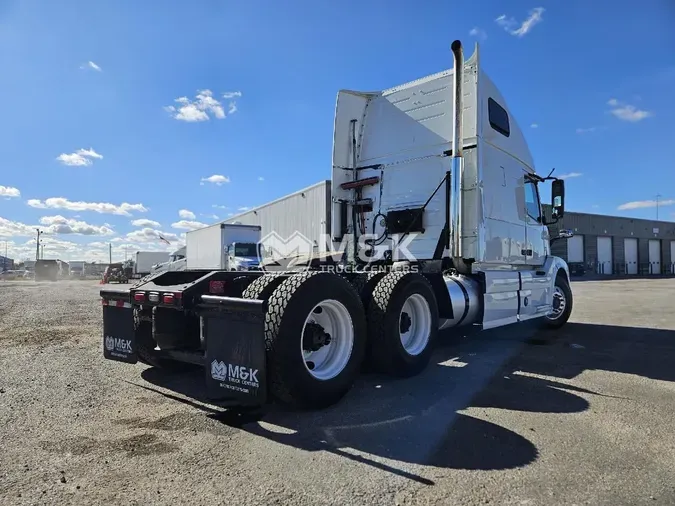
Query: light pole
{"x": 37, "y": 245}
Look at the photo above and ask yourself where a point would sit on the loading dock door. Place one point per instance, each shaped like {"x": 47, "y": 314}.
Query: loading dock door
{"x": 672, "y": 257}
{"x": 604, "y": 255}
{"x": 630, "y": 248}
{"x": 655, "y": 256}
{"x": 575, "y": 249}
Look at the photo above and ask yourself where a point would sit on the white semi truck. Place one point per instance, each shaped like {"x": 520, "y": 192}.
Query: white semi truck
{"x": 437, "y": 200}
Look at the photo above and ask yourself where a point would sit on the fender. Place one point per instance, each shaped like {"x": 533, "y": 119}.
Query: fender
{"x": 552, "y": 266}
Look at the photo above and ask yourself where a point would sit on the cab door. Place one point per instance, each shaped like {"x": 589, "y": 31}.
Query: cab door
{"x": 536, "y": 233}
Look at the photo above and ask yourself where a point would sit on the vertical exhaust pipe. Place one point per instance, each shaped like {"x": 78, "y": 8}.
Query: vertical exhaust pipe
{"x": 457, "y": 146}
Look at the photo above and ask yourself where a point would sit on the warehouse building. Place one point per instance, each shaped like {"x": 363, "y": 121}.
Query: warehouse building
{"x": 306, "y": 211}
{"x": 616, "y": 245}
{"x": 605, "y": 245}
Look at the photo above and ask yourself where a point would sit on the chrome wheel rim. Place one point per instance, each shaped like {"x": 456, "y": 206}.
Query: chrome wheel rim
{"x": 559, "y": 303}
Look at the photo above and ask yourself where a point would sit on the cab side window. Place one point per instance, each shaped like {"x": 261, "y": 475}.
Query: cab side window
{"x": 532, "y": 201}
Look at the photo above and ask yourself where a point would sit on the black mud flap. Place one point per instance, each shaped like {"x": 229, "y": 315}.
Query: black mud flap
{"x": 118, "y": 331}
{"x": 235, "y": 349}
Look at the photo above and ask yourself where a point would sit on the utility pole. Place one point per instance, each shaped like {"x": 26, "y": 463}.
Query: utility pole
{"x": 110, "y": 252}
{"x": 4, "y": 261}
{"x": 658, "y": 196}
{"x": 37, "y": 248}
{"x": 42, "y": 251}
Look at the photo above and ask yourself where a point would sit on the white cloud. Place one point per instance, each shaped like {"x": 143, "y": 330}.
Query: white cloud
{"x": 188, "y": 225}
{"x": 143, "y": 222}
{"x": 202, "y": 107}
{"x": 124, "y": 209}
{"x": 60, "y": 225}
{"x": 9, "y": 191}
{"x": 54, "y": 225}
{"x": 627, "y": 112}
{"x": 534, "y": 125}
{"x": 186, "y": 215}
{"x": 216, "y": 206}
{"x": 586, "y": 130}
{"x": 216, "y": 179}
{"x": 211, "y": 216}
{"x": 91, "y": 65}
{"x": 509, "y": 24}
{"x": 10, "y": 228}
{"x": 570, "y": 175}
{"x": 244, "y": 208}
{"x": 644, "y": 204}
{"x": 260, "y": 178}
{"x": 80, "y": 158}
{"x": 479, "y": 33}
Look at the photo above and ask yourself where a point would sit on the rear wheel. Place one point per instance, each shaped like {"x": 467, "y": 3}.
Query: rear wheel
{"x": 262, "y": 287}
{"x": 315, "y": 334}
{"x": 561, "y": 304}
{"x": 402, "y": 324}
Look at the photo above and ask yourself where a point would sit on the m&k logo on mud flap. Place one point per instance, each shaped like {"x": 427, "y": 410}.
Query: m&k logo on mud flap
{"x": 234, "y": 374}
{"x": 115, "y": 345}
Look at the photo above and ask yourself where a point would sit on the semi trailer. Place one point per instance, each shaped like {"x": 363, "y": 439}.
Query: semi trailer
{"x": 436, "y": 203}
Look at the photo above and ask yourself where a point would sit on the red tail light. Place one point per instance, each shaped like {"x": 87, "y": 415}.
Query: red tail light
{"x": 168, "y": 298}
{"x": 139, "y": 297}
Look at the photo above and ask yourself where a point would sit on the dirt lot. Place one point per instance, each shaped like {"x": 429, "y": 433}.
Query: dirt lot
{"x": 503, "y": 417}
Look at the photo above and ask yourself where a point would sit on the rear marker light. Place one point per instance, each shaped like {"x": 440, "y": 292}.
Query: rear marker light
{"x": 139, "y": 297}
{"x": 119, "y": 303}
{"x": 168, "y": 299}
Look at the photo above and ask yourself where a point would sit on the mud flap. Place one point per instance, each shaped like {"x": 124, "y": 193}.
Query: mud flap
{"x": 233, "y": 331}
{"x": 118, "y": 332}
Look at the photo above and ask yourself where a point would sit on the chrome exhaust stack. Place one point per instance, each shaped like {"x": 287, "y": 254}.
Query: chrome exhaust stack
{"x": 457, "y": 147}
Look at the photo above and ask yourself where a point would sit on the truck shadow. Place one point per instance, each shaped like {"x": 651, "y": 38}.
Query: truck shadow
{"x": 419, "y": 421}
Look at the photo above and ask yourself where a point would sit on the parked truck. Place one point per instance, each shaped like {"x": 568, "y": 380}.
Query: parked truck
{"x": 223, "y": 246}
{"x": 47, "y": 270}
{"x": 176, "y": 262}
{"x": 144, "y": 260}
{"x": 437, "y": 203}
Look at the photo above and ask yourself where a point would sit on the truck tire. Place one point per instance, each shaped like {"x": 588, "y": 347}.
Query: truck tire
{"x": 262, "y": 287}
{"x": 365, "y": 283}
{"x": 562, "y": 303}
{"x": 402, "y": 324}
{"x": 315, "y": 336}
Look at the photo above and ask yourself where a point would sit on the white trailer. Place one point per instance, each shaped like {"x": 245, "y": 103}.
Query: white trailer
{"x": 144, "y": 260}
{"x": 223, "y": 246}
{"x": 436, "y": 204}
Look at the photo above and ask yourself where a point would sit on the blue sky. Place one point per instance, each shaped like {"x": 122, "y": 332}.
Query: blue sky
{"x": 90, "y": 142}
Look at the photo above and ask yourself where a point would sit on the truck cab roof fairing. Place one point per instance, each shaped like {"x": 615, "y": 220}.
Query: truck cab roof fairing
{"x": 382, "y": 131}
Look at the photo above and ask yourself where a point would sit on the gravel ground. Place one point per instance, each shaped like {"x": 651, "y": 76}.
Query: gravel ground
{"x": 503, "y": 417}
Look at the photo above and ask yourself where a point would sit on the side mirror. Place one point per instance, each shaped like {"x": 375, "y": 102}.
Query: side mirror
{"x": 558, "y": 198}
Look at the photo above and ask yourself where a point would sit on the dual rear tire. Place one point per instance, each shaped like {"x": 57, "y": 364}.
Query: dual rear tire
{"x": 321, "y": 327}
